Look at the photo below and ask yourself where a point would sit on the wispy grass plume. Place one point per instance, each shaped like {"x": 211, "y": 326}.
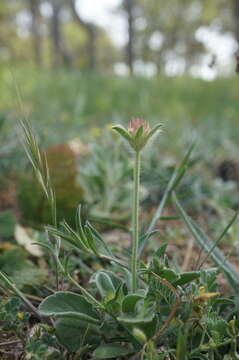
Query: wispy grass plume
{"x": 39, "y": 163}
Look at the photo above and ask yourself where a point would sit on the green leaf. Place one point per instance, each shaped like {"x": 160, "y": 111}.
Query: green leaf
{"x": 79, "y": 226}
{"x": 115, "y": 280}
{"x": 105, "y": 285}
{"x": 67, "y": 304}
{"x": 109, "y": 351}
{"x": 131, "y": 319}
{"x": 114, "y": 305}
{"x": 48, "y": 247}
{"x": 74, "y": 333}
{"x": 144, "y": 312}
{"x": 150, "y": 328}
{"x": 91, "y": 240}
{"x": 199, "y": 355}
{"x": 145, "y": 237}
{"x": 161, "y": 251}
{"x": 169, "y": 274}
{"x": 143, "y": 315}
{"x": 71, "y": 238}
{"x": 79, "y": 239}
{"x": 122, "y": 131}
{"x": 186, "y": 278}
{"x": 103, "y": 247}
{"x": 153, "y": 131}
{"x": 139, "y": 335}
{"x": 139, "y": 132}
{"x": 129, "y": 302}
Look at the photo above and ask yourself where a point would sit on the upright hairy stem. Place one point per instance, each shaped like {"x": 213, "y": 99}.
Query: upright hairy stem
{"x": 135, "y": 221}
{"x": 137, "y": 135}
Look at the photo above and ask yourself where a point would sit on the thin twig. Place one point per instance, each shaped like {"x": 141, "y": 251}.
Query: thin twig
{"x": 6, "y": 352}
{"x": 188, "y": 255}
{"x": 174, "y": 309}
{"x": 34, "y": 297}
{"x": 29, "y": 296}
{"x": 80, "y": 352}
{"x": 16, "y": 291}
{"x": 6, "y": 343}
{"x": 198, "y": 259}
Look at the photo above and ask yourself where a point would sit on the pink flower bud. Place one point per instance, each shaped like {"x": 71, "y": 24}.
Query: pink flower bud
{"x": 135, "y": 123}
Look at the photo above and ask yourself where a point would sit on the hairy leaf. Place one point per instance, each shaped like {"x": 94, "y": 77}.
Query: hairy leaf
{"x": 67, "y": 304}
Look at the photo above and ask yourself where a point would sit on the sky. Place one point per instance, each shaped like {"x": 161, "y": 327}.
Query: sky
{"x": 104, "y": 13}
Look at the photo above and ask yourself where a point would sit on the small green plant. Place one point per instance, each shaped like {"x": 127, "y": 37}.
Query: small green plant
{"x": 36, "y": 343}
{"x": 106, "y": 179}
{"x": 11, "y": 316}
{"x": 137, "y": 136}
{"x": 147, "y": 310}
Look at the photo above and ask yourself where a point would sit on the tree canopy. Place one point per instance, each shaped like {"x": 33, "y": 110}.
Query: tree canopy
{"x": 53, "y": 33}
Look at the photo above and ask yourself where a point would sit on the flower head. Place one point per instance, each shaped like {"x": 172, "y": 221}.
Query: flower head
{"x": 138, "y": 132}
{"x": 136, "y": 123}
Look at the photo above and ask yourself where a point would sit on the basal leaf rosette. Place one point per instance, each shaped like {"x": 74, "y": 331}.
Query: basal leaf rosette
{"x": 138, "y": 133}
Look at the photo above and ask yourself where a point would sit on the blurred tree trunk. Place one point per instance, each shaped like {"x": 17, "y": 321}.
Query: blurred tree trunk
{"x": 56, "y": 33}
{"x": 91, "y": 33}
{"x": 236, "y": 15}
{"x": 61, "y": 55}
{"x": 36, "y": 20}
{"x": 129, "y": 8}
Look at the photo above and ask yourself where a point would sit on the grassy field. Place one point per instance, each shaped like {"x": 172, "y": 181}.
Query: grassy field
{"x": 74, "y": 102}
{"x": 180, "y": 288}
{"x": 65, "y": 105}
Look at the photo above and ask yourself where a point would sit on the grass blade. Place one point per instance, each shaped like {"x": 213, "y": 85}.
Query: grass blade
{"x": 219, "y": 238}
{"x": 208, "y": 246}
{"x": 173, "y": 182}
